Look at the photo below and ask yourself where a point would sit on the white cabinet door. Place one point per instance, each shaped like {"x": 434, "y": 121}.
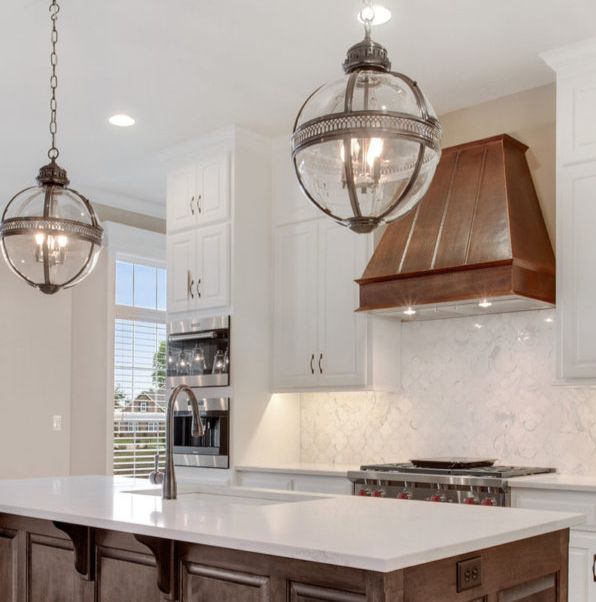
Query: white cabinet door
{"x": 576, "y": 258}
{"x": 341, "y": 350}
{"x": 181, "y": 271}
{"x": 290, "y": 204}
{"x": 295, "y": 313}
{"x": 213, "y": 266}
{"x": 182, "y": 206}
{"x": 213, "y": 190}
{"x": 582, "y": 556}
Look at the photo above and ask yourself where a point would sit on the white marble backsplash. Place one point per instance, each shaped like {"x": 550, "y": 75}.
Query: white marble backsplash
{"x": 471, "y": 386}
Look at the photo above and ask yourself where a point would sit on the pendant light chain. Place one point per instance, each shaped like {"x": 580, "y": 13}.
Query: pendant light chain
{"x": 54, "y": 10}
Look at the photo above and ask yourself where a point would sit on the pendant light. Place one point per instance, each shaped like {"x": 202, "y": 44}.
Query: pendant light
{"x": 49, "y": 233}
{"x": 365, "y": 147}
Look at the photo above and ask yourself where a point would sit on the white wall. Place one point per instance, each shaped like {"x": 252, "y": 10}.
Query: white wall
{"x": 35, "y": 361}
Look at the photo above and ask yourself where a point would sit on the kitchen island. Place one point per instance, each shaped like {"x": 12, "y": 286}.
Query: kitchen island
{"x": 111, "y": 539}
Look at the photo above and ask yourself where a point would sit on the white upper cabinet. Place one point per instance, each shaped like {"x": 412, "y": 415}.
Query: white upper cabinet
{"x": 181, "y": 263}
{"x": 213, "y": 266}
{"x": 295, "y": 326}
{"x": 213, "y": 190}
{"x": 342, "y": 331}
{"x": 181, "y": 208}
{"x": 576, "y": 210}
{"x": 199, "y": 195}
{"x": 199, "y": 269}
{"x": 291, "y": 204}
{"x": 320, "y": 342}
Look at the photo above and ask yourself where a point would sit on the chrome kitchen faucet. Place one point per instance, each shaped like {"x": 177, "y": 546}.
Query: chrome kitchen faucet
{"x": 167, "y": 478}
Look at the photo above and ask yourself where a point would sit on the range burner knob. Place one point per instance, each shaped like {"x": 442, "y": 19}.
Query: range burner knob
{"x": 471, "y": 501}
{"x": 364, "y": 492}
{"x": 488, "y": 501}
{"x": 404, "y": 495}
{"x": 437, "y": 497}
{"x": 378, "y": 493}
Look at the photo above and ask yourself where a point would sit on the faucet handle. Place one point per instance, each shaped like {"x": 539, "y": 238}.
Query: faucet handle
{"x": 156, "y": 475}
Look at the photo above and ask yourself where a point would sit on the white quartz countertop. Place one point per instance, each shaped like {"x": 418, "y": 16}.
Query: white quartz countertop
{"x": 303, "y": 468}
{"x": 561, "y": 482}
{"x": 367, "y": 533}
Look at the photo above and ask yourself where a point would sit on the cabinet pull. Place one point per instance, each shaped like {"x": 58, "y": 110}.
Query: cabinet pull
{"x": 594, "y": 568}
{"x": 192, "y": 209}
{"x": 199, "y": 204}
{"x": 189, "y": 285}
{"x": 198, "y": 288}
{"x": 312, "y": 367}
{"x": 320, "y": 364}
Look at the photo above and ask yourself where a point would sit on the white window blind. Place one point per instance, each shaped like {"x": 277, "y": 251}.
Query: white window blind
{"x": 139, "y": 368}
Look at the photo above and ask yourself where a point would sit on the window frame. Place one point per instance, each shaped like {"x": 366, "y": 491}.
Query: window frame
{"x": 131, "y": 313}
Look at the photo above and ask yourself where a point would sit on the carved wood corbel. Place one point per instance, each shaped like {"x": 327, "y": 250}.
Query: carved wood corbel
{"x": 164, "y": 552}
{"x": 84, "y": 549}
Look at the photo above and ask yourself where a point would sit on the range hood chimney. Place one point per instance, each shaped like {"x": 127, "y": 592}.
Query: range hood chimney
{"x": 475, "y": 244}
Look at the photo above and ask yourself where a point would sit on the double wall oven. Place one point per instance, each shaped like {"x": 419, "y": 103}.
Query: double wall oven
{"x": 198, "y": 355}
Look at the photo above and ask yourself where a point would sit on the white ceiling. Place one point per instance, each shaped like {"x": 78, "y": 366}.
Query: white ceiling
{"x": 186, "y": 67}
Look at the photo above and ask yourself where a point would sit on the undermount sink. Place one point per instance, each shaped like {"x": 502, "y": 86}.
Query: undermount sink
{"x": 235, "y": 495}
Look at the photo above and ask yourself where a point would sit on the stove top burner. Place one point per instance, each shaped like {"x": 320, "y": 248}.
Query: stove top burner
{"x": 500, "y": 472}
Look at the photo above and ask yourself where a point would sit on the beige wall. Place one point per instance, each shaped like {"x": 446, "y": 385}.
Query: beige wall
{"x": 35, "y": 362}
{"x": 528, "y": 116}
{"x": 128, "y": 218}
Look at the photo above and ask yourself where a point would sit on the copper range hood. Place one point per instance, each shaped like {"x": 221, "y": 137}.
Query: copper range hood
{"x": 475, "y": 244}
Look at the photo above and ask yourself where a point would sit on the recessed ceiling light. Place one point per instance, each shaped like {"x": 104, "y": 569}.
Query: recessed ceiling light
{"x": 410, "y": 311}
{"x": 549, "y": 320}
{"x": 484, "y": 303}
{"x": 477, "y": 325}
{"x": 121, "y": 120}
{"x": 381, "y": 14}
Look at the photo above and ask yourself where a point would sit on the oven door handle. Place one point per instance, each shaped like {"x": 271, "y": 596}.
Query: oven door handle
{"x": 193, "y": 336}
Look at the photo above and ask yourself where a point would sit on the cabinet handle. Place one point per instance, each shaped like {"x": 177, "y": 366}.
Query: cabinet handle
{"x": 320, "y": 364}
{"x": 198, "y": 288}
{"x": 312, "y": 367}
{"x": 192, "y": 209}
{"x": 189, "y": 285}
{"x": 594, "y": 568}
{"x": 199, "y": 204}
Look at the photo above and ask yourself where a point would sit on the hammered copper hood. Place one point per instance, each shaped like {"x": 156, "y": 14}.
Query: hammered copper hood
{"x": 475, "y": 244}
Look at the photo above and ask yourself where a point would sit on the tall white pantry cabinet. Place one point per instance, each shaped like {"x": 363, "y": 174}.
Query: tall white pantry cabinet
{"x": 575, "y": 67}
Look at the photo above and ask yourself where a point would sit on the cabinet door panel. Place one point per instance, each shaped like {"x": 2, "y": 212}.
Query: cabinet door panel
{"x": 539, "y": 590}
{"x": 125, "y": 575}
{"x": 582, "y": 558}
{"x": 205, "y": 584}
{"x": 295, "y": 314}
{"x": 576, "y": 285}
{"x": 51, "y": 576}
{"x": 213, "y": 196}
{"x": 8, "y": 565}
{"x": 342, "y": 332}
{"x": 181, "y": 271}
{"x": 182, "y": 206}
{"x": 290, "y": 204}
{"x": 213, "y": 266}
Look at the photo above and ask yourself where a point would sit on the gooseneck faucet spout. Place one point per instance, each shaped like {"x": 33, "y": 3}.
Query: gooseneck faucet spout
{"x": 168, "y": 477}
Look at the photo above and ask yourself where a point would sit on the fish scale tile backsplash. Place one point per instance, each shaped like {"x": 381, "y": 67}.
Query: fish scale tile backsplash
{"x": 471, "y": 386}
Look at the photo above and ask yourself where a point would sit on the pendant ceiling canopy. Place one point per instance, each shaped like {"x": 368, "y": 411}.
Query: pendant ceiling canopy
{"x": 49, "y": 233}
{"x": 365, "y": 147}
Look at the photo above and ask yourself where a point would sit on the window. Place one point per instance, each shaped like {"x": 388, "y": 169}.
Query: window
{"x": 139, "y": 367}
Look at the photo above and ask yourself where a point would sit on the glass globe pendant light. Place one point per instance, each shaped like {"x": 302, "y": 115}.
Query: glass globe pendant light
{"x": 365, "y": 147}
{"x": 49, "y": 233}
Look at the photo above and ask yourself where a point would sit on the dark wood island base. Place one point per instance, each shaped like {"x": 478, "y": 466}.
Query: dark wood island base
{"x": 42, "y": 561}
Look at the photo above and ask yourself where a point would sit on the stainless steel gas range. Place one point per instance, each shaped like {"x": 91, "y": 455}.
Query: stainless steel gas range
{"x": 450, "y": 480}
